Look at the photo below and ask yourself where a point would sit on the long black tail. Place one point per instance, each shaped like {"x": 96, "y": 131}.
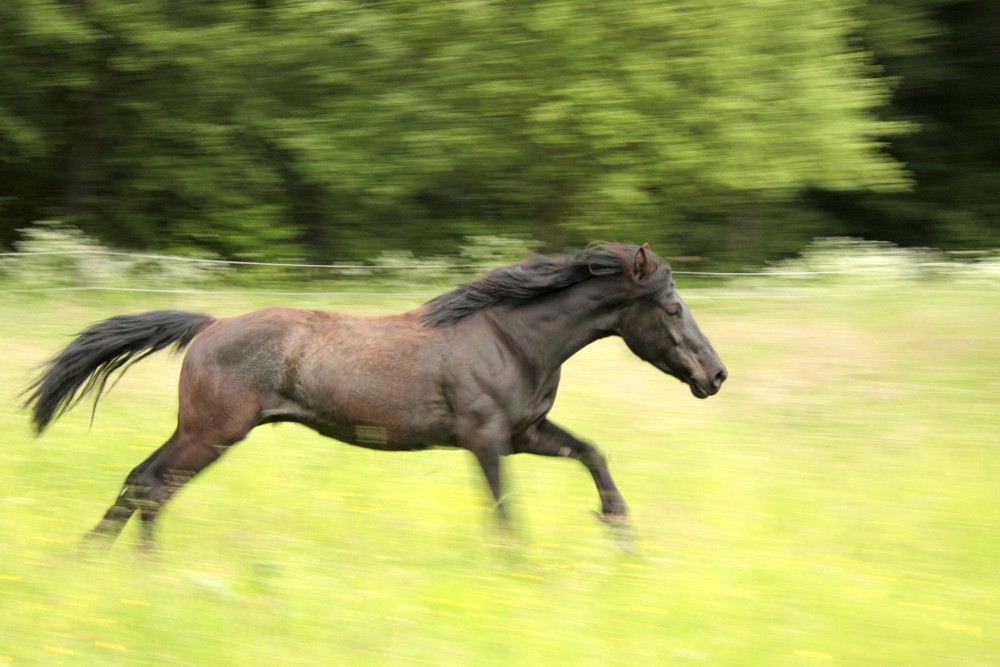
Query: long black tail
{"x": 108, "y": 346}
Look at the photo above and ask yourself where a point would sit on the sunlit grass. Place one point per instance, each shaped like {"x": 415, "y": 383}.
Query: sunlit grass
{"x": 835, "y": 504}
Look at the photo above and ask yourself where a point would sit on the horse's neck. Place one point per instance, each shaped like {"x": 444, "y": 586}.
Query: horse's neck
{"x": 553, "y": 328}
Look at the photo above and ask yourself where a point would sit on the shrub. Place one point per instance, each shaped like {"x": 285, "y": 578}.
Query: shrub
{"x": 51, "y": 254}
{"x": 857, "y": 261}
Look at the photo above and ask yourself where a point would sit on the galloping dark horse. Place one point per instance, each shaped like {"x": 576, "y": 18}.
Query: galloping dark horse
{"x": 475, "y": 368}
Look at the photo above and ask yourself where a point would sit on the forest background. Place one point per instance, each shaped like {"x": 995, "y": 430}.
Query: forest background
{"x": 726, "y": 134}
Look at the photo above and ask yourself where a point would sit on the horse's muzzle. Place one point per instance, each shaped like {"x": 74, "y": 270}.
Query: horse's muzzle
{"x": 704, "y": 389}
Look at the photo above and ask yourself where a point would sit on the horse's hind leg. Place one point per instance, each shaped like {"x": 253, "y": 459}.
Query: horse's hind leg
{"x": 207, "y": 425}
{"x": 169, "y": 472}
{"x": 154, "y": 481}
{"x": 114, "y": 520}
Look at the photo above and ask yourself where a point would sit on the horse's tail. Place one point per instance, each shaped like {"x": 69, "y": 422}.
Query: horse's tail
{"x": 108, "y": 346}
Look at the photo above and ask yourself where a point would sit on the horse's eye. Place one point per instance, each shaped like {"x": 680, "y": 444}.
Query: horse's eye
{"x": 673, "y": 310}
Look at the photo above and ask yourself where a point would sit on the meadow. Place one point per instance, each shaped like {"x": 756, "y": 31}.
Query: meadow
{"x": 836, "y": 503}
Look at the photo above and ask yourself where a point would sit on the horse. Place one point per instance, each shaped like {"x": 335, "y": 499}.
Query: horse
{"x": 476, "y": 368}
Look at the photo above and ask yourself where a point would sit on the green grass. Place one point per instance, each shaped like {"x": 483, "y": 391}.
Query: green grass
{"x": 836, "y": 504}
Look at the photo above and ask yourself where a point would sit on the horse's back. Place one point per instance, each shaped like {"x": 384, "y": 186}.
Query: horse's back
{"x": 250, "y": 343}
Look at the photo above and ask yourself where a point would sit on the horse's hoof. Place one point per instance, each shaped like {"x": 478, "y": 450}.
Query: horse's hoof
{"x": 612, "y": 519}
{"x": 621, "y": 528}
{"x": 92, "y": 545}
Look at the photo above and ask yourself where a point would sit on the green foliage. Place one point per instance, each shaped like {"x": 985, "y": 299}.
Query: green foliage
{"x": 338, "y": 130}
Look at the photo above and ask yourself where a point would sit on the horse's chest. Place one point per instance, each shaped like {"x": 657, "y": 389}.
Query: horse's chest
{"x": 530, "y": 401}
{"x": 539, "y": 400}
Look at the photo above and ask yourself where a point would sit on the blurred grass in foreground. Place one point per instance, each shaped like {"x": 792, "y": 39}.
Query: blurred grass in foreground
{"x": 835, "y": 504}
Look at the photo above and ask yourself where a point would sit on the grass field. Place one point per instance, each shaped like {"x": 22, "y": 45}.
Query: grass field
{"x": 837, "y": 503}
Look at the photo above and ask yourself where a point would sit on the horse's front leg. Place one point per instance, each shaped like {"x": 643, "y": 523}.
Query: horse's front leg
{"x": 547, "y": 439}
{"x": 488, "y": 443}
{"x": 489, "y": 460}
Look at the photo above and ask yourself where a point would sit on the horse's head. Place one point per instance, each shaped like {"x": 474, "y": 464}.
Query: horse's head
{"x": 659, "y": 328}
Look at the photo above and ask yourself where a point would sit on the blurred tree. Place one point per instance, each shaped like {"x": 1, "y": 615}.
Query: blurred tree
{"x": 946, "y": 57}
{"x": 640, "y": 119}
{"x": 122, "y": 119}
{"x": 328, "y": 129}
{"x": 41, "y": 78}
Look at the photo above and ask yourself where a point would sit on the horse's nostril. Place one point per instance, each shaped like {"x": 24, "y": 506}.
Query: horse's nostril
{"x": 720, "y": 377}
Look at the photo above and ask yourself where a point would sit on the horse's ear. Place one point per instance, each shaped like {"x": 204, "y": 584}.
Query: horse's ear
{"x": 643, "y": 265}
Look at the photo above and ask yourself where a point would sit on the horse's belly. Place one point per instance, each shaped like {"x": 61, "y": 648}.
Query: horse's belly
{"x": 384, "y": 435}
{"x": 405, "y": 417}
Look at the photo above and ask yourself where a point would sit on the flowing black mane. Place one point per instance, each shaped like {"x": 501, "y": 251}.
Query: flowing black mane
{"x": 522, "y": 282}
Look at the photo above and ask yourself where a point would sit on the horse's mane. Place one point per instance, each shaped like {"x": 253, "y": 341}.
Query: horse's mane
{"x": 511, "y": 285}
